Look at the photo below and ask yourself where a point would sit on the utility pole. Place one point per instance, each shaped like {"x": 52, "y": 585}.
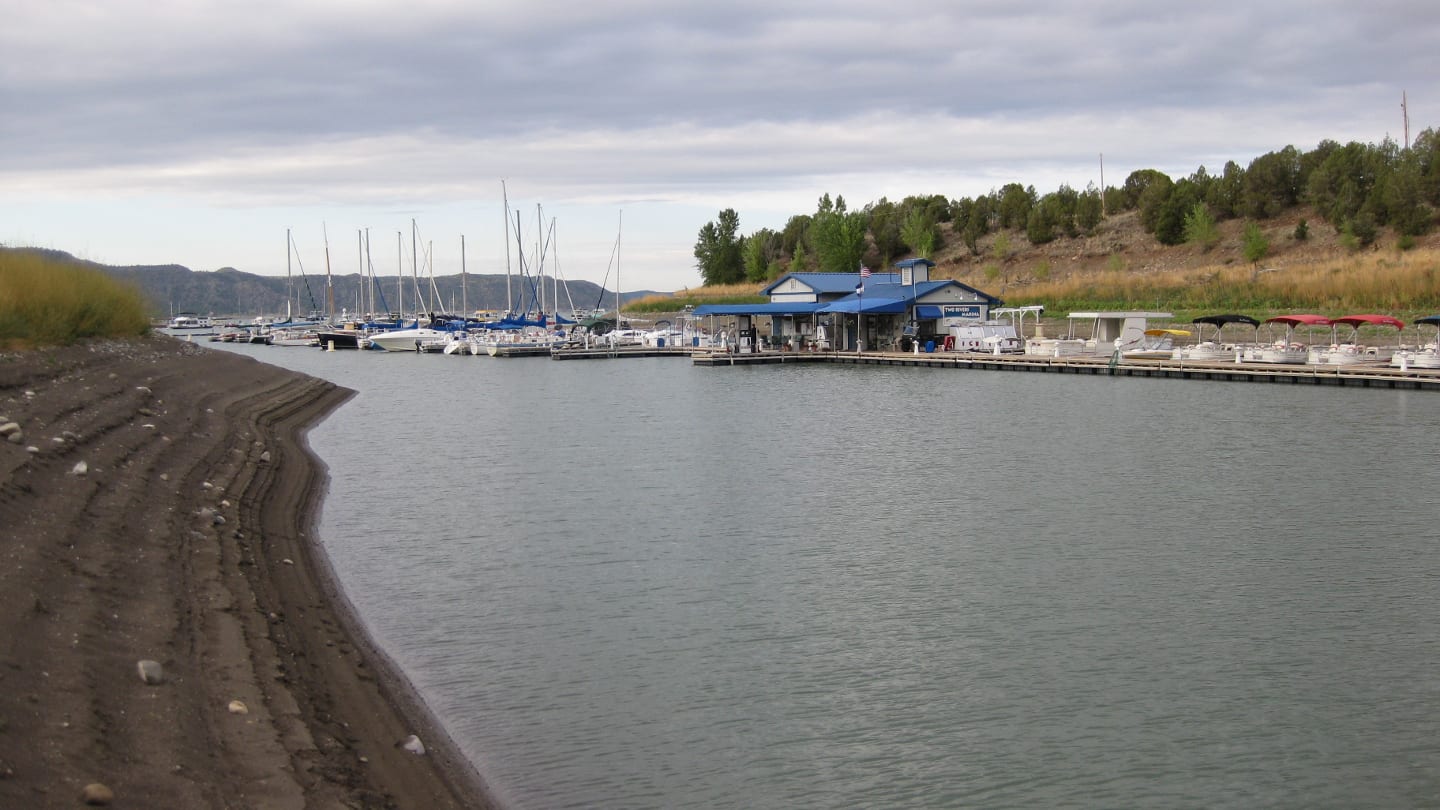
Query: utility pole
{"x": 1405, "y": 113}
{"x": 1102, "y": 185}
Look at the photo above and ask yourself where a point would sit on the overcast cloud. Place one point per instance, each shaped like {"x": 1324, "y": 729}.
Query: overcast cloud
{"x": 191, "y": 132}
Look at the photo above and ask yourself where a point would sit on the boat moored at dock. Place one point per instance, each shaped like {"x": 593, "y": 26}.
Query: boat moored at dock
{"x": 1353, "y": 351}
{"x": 1214, "y": 350}
{"x": 1427, "y": 355}
{"x": 1286, "y": 350}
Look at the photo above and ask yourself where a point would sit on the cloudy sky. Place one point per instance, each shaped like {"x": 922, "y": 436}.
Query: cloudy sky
{"x": 198, "y": 132}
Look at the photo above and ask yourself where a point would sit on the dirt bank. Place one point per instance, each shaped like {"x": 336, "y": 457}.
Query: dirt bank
{"x": 156, "y": 504}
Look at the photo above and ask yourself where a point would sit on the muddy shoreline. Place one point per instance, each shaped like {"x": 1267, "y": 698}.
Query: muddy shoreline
{"x": 159, "y": 504}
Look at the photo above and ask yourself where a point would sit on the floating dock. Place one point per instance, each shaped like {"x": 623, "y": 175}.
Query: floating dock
{"x": 1358, "y": 375}
{"x": 610, "y": 353}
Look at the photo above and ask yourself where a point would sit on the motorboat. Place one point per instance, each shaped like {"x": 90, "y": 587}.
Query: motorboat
{"x": 990, "y": 337}
{"x": 346, "y": 336}
{"x": 406, "y": 340}
{"x": 188, "y": 324}
{"x": 1041, "y": 346}
{"x": 1212, "y": 350}
{"x": 1111, "y": 333}
{"x": 530, "y": 341}
{"x": 1157, "y": 344}
{"x": 295, "y": 336}
{"x": 999, "y": 339}
{"x": 1353, "y": 351}
{"x": 1286, "y": 350}
{"x": 664, "y": 334}
{"x": 1427, "y": 355}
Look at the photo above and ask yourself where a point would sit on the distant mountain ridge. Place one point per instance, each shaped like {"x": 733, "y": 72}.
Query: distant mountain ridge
{"x": 174, "y": 288}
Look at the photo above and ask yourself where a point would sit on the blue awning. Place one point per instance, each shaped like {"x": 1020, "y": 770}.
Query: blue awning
{"x": 928, "y": 311}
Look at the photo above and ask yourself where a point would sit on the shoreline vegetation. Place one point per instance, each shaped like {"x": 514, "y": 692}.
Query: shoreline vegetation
{"x": 48, "y": 303}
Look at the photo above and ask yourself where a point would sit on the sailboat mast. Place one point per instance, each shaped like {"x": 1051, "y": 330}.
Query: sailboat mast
{"x": 362, "y": 288}
{"x": 415, "y": 268}
{"x": 540, "y": 251}
{"x": 329, "y": 283}
{"x": 505, "y": 196}
{"x": 618, "y": 228}
{"x": 429, "y": 270}
{"x": 368, "y": 271}
{"x": 464, "y": 301}
{"x": 400, "y": 271}
{"x": 290, "y": 290}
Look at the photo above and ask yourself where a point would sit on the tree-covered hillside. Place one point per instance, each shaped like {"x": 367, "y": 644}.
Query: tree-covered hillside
{"x": 1355, "y": 190}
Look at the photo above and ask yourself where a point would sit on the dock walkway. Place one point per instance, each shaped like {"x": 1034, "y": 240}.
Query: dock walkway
{"x": 1361, "y": 375}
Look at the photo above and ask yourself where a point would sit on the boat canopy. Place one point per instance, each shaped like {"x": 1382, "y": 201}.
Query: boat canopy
{"x": 1432, "y": 320}
{"x": 1168, "y": 332}
{"x": 1358, "y": 321}
{"x": 1300, "y": 320}
{"x": 1223, "y": 320}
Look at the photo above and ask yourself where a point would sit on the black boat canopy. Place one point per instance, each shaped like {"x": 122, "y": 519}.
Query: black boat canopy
{"x": 1221, "y": 320}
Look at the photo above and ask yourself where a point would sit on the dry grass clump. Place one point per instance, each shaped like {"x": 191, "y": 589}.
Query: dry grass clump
{"x": 48, "y": 303}
{"x": 748, "y": 293}
{"x": 1390, "y": 282}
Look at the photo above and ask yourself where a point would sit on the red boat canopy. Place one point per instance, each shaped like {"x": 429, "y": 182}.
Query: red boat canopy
{"x": 1300, "y": 320}
{"x": 1358, "y": 321}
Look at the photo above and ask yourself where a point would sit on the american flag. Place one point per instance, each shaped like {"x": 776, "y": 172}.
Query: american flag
{"x": 864, "y": 271}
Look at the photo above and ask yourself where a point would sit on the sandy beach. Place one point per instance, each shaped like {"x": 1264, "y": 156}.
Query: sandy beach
{"x": 157, "y": 504}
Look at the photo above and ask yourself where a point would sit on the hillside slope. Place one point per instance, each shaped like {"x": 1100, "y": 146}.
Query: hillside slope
{"x": 1121, "y": 244}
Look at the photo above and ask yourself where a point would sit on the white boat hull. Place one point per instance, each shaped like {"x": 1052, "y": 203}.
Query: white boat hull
{"x": 1293, "y": 353}
{"x": 406, "y": 340}
{"x": 1347, "y": 355}
{"x": 1207, "y": 353}
{"x": 1055, "y": 347}
{"x": 1427, "y": 358}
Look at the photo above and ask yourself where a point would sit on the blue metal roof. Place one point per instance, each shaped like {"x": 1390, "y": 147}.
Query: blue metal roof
{"x": 884, "y": 289}
{"x": 832, "y": 283}
{"x": 797, "y": 308}
{"x": 868, "y": 303}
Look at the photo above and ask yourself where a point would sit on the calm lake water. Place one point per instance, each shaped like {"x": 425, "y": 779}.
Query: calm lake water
{"x": 641, "y": 584}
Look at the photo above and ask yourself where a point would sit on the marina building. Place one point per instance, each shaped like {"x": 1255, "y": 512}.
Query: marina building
{"x": 855, "y": 311}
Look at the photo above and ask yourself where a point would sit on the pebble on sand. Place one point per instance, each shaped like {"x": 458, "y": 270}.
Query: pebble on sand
{"x": 413, "y": 745}
{"x": 238, "y": 707}
{"x": 150, "y": 671}
{"x": 80, "y": 468}
{"x": 96, "y": 793}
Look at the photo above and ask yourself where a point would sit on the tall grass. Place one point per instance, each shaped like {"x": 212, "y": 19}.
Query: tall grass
{"x": 748, "y": 293}
{"x": 47, "y": 303}
{"x": 1397, "y": 283}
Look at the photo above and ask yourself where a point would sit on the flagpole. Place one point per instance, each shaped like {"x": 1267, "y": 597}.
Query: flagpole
{"x": 860, "y": 310}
